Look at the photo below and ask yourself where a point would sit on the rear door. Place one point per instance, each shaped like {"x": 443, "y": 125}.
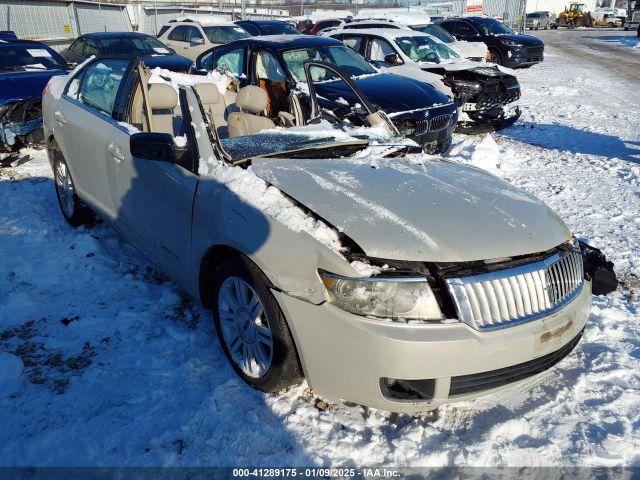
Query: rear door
{"x": 177, "y": 39}
{"x": 356, "y": 42}
{"x": 88, "y": 133}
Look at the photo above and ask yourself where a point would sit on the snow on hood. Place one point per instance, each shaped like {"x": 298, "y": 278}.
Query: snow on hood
{"x": 469, "y": 49}
{"x": 256, "y": 192}
{"x": 420, "y": 208}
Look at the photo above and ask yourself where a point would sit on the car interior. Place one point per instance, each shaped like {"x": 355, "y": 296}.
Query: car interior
{"x": 230, "y": 114}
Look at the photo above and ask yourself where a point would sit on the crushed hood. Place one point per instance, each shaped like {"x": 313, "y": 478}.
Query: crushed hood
{"x": 439, "y": 211}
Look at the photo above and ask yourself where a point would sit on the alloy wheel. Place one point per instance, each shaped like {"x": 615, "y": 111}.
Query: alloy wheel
{"x": 245, "y": 327}
{"x": 65, "y": 188}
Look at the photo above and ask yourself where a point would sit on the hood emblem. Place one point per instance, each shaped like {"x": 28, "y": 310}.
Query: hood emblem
{"x": 426, "y": 114}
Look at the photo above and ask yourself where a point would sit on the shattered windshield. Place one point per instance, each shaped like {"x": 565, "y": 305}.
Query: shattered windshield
{"x": 28, "y": 58}
{"x": 342, "y": 56}
{"x": 343, "y": 142}
{"x": 425, "y": 49}
{"x": 141, "y": 45}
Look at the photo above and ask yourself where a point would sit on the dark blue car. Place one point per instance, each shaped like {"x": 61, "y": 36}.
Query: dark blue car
{"x": 268, "y": 27}
{"x": 152, "y": 51}
{"x": 506, "y": 47}
{"x": 25, "y": 69}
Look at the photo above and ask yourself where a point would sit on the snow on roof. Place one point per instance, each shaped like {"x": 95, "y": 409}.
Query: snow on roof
{"x": 396, "y": 15}
{"x": 388, "y": 33}
{"x": 318, "y": 15}
{"x": 206, "y": 19}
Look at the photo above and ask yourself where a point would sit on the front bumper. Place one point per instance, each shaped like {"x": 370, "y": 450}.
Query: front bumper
{"x": 481, "y": 124}
{"x": 523, "y": 56}
{"x": 432, "y": 133}
{"x": 346, "y": 356}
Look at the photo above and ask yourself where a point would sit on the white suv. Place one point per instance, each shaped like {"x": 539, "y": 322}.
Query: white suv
{"x": 192, "y": 36}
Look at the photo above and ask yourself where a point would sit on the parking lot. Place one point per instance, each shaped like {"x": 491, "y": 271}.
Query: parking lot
{"x": 613, "y": 49}
{"x": 119, "y": 367}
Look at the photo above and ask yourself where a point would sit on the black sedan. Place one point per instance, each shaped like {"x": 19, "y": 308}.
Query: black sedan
{"x": 267, "y": 27}
{"x": 505, "y": 46}
{"x": 152, "y": 51}
{"x": 277, "y": 65}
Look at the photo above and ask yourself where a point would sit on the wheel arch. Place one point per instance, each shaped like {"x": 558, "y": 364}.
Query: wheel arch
{"x": 211, "y": 260}
{"x": 209, "y": 263}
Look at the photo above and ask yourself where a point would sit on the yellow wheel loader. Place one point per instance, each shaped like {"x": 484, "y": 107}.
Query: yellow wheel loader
{"x": 575, "y": 16}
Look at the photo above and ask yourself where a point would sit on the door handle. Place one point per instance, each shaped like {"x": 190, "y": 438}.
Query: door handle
{"x": 60, "y": 117}
{"x": 116, "y": 152}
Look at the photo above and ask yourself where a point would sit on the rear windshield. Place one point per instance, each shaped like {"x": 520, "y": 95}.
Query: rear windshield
{"x": 138, "y": 45}
{"x": 225, "y": 33}
{"x": 278, "y": 29}
{"x": 21, "y": 58}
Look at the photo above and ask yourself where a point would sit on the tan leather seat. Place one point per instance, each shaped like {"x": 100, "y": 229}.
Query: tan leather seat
{"x": 251, "y": 101}
{"x": 164, "y": 100}
{"x": 216, "y": 106}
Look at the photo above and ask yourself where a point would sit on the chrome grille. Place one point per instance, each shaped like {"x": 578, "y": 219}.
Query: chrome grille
{"x": 439, "y": 122}
{"x": 422, "y": 126}
{"x": 520, "y": 294}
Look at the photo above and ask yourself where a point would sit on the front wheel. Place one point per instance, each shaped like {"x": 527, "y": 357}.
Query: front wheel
{"x": 252, "y": 329}
{"x": 72, "y": 208}
{"x": 494, "y": 56}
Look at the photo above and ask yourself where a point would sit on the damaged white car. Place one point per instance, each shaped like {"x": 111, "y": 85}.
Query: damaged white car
{"x": 390, "y": 279}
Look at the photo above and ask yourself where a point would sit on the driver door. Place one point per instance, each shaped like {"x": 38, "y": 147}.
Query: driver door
{"x": 153, "y": 198}
{"x": 271, "y": 78}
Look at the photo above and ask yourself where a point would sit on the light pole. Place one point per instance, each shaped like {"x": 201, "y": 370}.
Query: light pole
{"x": 155, "y": 15}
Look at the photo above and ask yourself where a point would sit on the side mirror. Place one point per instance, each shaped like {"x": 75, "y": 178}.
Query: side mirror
{"x": 393, "y": 59}
{"x": 72, "y": 65}
{"x": 197, "y": 41}
{"x": 155, "y": 146}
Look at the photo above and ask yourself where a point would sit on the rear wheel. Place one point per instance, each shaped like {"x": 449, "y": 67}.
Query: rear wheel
{"x": 252, "y": 329}
{"x": 72, "y": 208}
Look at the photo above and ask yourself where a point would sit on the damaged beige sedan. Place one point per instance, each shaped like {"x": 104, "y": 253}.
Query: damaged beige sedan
{"x": 325, "y": 252}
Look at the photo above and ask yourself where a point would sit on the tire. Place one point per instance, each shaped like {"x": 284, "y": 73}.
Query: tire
{"x": 73, "y": 210}
{"x": 268, "y": 369}
{"x": 494, "y": 56}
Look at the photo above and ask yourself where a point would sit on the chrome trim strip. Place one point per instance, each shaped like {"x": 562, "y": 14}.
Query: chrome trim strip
{"x": 513, "y": 296}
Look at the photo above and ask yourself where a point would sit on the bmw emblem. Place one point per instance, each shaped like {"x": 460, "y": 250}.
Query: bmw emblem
{"x": 426, "y": 114}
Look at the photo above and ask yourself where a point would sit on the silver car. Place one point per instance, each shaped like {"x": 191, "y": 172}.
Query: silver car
{"x": 324, "y": 252}
{"x": 540, "y": 20}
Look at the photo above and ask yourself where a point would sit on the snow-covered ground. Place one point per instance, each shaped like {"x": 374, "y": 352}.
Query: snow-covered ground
{"x": 104, "y": 362}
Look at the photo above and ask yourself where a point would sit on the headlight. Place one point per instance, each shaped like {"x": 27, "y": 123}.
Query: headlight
{"x": 406, "y": 298}
{"x": 465, "y": 86}
{"x": 406, "y": 127}
{"x": 510, "y": 43}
